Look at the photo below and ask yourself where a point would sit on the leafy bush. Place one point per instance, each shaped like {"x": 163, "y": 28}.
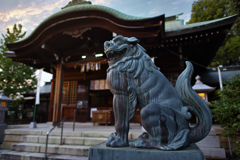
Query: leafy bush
{"x": 226, "y": 110}
{"x": 15, "y": 110}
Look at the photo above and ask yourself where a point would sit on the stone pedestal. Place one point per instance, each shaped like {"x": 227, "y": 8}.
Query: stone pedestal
{"x": 101, "y": 152}
{"x": 2, "y": 128}
{"x": 2, "y": 125}
{"x": 33, "y": 125}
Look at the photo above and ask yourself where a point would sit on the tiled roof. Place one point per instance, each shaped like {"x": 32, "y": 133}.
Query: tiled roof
{"x": 172, "y": 28}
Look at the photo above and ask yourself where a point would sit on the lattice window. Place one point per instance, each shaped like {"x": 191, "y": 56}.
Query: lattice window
{"x": 73, "y": 92}
{"x": 69, "y": 95}
{"x": 65, "y": 93}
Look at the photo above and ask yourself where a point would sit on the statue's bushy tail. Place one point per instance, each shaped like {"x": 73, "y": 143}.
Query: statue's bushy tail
{"x": 195, "y": 104}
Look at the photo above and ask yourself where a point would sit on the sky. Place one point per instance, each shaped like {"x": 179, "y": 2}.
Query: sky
{"x": 30, "y": 13}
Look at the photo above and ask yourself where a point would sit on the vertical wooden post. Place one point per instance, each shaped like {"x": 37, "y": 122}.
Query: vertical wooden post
{"x": 58, "y": 94}
{"x": 50, "y": 108}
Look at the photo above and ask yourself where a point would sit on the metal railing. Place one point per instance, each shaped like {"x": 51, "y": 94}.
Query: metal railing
{"x": 61, "y": 125}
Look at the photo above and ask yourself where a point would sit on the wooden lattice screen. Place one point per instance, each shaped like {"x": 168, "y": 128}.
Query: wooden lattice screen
{"x": 69, "y": 95}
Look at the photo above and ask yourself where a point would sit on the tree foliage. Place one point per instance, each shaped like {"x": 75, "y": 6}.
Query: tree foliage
{"x": 226, "y": 110}
{"x": 228, "y": 54}
{"x": 233, "y": 7}
{"x": 14, "y": 77}
{"x": 204, "y": 10}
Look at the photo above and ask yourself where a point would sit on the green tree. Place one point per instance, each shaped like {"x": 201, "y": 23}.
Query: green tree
{"x": 233, "y": 7}
{"x": 226, "y": 110}
{"x": 228, "y": 54}
{"x": 14, "y": 77}
{"x": 204, "y": 10}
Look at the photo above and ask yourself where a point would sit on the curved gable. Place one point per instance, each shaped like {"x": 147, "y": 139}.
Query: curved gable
{"x": 85, "y": 16}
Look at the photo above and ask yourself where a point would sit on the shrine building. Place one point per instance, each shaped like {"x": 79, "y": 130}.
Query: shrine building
{"x": 69, "y": 44}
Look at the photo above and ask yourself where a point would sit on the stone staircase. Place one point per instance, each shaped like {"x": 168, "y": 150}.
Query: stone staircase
{"x": 30, "y": 145}
{"x": 210, "y": 146}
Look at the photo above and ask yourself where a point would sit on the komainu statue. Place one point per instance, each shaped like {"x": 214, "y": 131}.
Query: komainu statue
{"x": 135, "y": 83}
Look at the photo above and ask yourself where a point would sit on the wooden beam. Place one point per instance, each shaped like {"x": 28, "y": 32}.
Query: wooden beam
{"x": 58, "y": 94}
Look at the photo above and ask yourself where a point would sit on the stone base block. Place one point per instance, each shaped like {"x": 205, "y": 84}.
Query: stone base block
{"x": 33, "y": 125}
{"x": 101, "y": 152}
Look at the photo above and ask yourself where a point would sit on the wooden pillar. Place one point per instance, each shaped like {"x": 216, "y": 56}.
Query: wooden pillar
{"x": 50, "y": 108}
{"x": 58, "y": 94}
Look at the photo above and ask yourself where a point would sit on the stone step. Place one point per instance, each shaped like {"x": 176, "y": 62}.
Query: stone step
{"x": 20, "y": 132}
{"x": 23, "y": 132}
{"x": 17, "y": 133}
{"x": 13, "y": 155}
{"x": 209, "y": 142}
{"x": 75, "y": 150}
{"x": 214, "y": 153}
{"x": 87, "y": 141}
{"x": 210, "y": 146}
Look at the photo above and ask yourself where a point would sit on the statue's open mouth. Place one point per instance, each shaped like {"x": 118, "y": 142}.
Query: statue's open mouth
{"x": 115, "y": 55}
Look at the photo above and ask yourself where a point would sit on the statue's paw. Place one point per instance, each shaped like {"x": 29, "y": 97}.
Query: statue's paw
{"x": 111, "y": 138}
{"x": 139, "y": 144}
{"x": 136, "y": 143}
{"x": 119, "y": 143}
{"x": 142, "y": 141}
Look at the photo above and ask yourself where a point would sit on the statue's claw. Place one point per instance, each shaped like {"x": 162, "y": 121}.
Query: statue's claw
{"x": 144, "y": 141}
{"x": 135, "y": 144}
{"x": 119, "y": 143}
{"x": 111, "y": 138}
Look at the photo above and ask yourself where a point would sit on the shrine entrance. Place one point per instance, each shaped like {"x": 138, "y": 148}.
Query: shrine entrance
{"x": 69, "y": 44}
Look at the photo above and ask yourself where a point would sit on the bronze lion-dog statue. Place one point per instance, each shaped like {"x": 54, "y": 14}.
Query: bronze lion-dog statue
{"x": 136, "y": 82}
